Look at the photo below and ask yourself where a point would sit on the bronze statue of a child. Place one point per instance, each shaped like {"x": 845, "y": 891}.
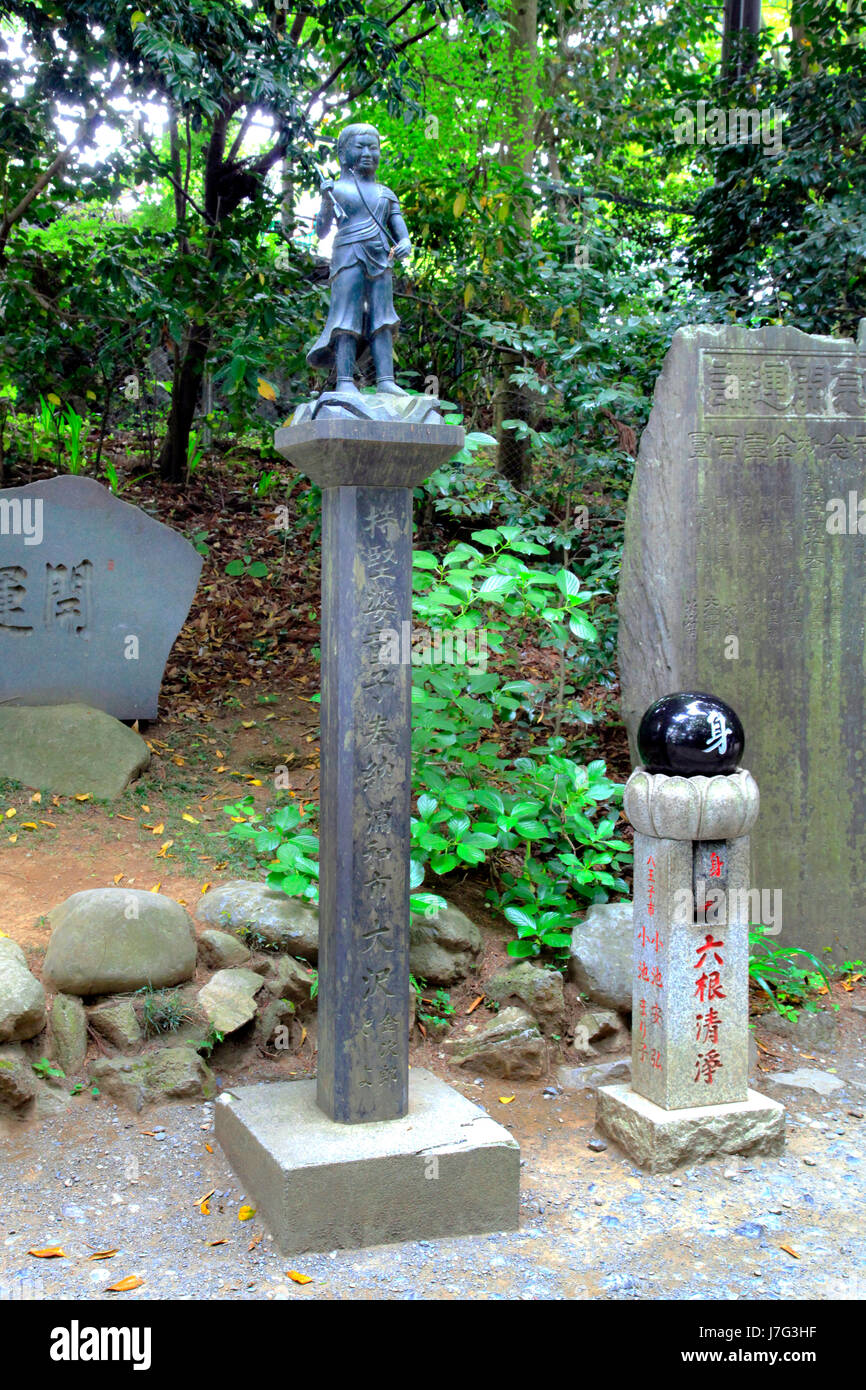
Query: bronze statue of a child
{"x": 371, "y": 234}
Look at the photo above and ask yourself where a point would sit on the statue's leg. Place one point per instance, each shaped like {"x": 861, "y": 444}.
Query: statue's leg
{"x": 382, "y": 348}
{"x": 345, "y": 349}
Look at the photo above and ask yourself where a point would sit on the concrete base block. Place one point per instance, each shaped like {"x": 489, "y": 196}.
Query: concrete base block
{"x": 445, "y": 1169}
{"x": 660, "y": 1140}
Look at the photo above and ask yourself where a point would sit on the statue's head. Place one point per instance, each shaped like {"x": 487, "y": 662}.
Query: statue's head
{"x": 358, "y": 148}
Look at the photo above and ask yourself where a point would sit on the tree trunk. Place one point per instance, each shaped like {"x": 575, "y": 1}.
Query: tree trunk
{"x": 184, "y": 398}
{"x": 742, "y": 24}
{"x": 517, "y": 151}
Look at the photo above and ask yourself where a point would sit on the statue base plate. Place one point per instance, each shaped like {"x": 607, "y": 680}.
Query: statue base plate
{"x": 444, "y": 1169}
{"x": 660, "y": 1140}
{"x": 368, "y": 405}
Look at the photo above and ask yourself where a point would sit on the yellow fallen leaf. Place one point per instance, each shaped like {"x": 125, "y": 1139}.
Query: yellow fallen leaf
{"x": 222, "y": 1241}
{"x": 202, "y": 1202}
{"x": 53, "y": 398}
{"x": 102, "y": 1255}
{"x": 120, "y": 817}
{"x": 11, "y": 812}
{"x": 221, "y": 768}
{"x": 29, "y": 825}
{"x": 266, "y": 389}
{"x": 298, "y": 1278}
{"x": 13, "y": 839}
{"x": 788, "y": 1251}
{"x": 36, "y": 798}
{"x": 155, "y": 889}
{"x": 83, "y": 796}
{"x": 506, "y": 1100}
{"x": 474, "y": 1005}
{"x": 209, "y": 1148}
{"x": 49, "y": 823}
{"x": 246, "y": 1213}
{"x": 51, "y": 1252}
{"x": 158, "y": 829}
{"x": 205, "y": 887}
{"x": 191, "y": 819}
{"x": 248, "y": 723}
{"x": 132, "y": 1281}
{"x": 118, "y": 877}
{"x": 146, "y": 809}
{"x": 164, "y": 849}
{"x": 254, "y": 781}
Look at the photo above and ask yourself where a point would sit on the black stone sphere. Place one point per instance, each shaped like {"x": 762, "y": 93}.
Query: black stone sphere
{"x": 690, "y": 735}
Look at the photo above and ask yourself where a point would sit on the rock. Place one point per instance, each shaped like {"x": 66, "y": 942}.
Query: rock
{"x": 659, "y": 1141}
{"x": 597, "y": 1146}
{"x": 22, "y": 998}
{"x": 117, "y": 1023}
{"x": 443, "y": 949}
{"x": 602, "y": 1027}
{"x": 220, "y": 951}
{"x": 70, "y": 749}
{"x": 17, "y": 1081}
{"x": 591, "y": 1077}
{"x": 228, "y": 1000}
{"x": 823, "y": 1083}
{"x": 116, "y": 940}
{"x": 264, "y": 917}
{"x": 279, "y": 1013}
{"x": 69, "y": 1032}
{"x": 601, "y": 955}
{"x": 539, "y": 990}
{"x": 288, "y": 978}
{"x": 509, "y": 1045}
{"x": 818, "y": 1029}
{"x": 170, "y": 1073}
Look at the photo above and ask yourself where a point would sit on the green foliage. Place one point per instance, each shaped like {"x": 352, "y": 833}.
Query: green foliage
{"x": 788, "y": 975}
{"x": 47, "y": 1070}
{"x": 163, "y": 1011}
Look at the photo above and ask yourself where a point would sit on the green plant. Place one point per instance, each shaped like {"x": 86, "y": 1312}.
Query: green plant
{"x": 72, "y": 424}
{"x": 253, "y": 569}
{"x": 47, "y": 1069}
{"x": 194, "y": 453}
{"x": 163, "y": 1011}
{"x": 438, "y": 1011}
{"x": 207, "y": 1045}
{"x": 786, "y": 984}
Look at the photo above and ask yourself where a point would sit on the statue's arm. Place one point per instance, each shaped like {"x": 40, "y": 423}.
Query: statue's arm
{"x": 401, "y": 232}
{"x": 325, "y": 215}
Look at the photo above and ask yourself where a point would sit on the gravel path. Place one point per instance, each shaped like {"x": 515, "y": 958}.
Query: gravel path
{"x": 592, "y": 1225}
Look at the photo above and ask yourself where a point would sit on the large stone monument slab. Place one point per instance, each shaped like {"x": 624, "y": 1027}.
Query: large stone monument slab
{"x": 745, "y": 572}
{"x": 93, "y": 593}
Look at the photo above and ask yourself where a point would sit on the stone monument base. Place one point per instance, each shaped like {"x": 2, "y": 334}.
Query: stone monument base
{"x": 445, "y": 1169}
{"x": 659, "y": 1140}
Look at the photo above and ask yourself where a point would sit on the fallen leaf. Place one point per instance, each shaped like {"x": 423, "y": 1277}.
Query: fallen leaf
{"x": 158, "y": 829}
{"x": 102, "y": 1255}
{"x": 248, "y": 723}
{"x": 222, "y": 1241}
{"x": 37, "y": 797}
{"x": 474, "y": 1005}
{"x": 209, "y": 1148}
{"x": 200, "y": 1201}
{"x": 155, "y": 889}
{"x": 506, "y": 1100}
{"x": 49, "y": 823}
{"x": 164, "y": 849}
{"x": 132, "y": 1281}
{"x": 788, "y": 1251}
{"x": 51, "y": 1252}
{"x": 298, "y": 1278}
{"x": 256, "y": 1240}
{"x": 146, "y": 809}
{"x": 118, "y": 877}
{"x": 205, "y": 887}
{"x": 192, "y": 820}
{"x": 11, "y": 812}
{"x": 83, "y": 796}
{"x": 120, "y": 817}
{"x": 246, "y": 1213}
{"x": 29, "y": 825}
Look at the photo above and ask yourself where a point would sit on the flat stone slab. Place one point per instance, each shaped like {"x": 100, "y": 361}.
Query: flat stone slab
{"x": 660, "y": 1140}
{"x": 70, "y": 750}
{"x": 93, "y": 593}
{"x": 444, "y": 1169}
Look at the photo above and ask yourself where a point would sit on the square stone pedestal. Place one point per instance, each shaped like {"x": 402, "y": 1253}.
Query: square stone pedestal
{"x": 444, "y": 1169}
{"x": 659, "y": 1140}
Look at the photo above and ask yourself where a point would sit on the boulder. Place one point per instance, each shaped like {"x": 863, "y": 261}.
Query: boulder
{"x": 69, "y": 749}
{"x": 17, "y": 1081}
{"x": 118, "y": 1023}
{"x": 22, "y": 998}
{"x": 69, "y": 1032}
{"x": 601, "y": 955}
{"x": 509, "y": 1045}
{"x": 263, "y": 916}
{"x": 538, "y": 989}
{"x": 443, "y": 949}
{"x": 169, "y": 1073}
{"x": 290, "y": 979}
{"x": 228, "y": 1000}
{"x": 600, "y": 1030}
{"x": 116, "y": 940}
{"x": 220, "y": 951}
{"x": 279, "y": 1013}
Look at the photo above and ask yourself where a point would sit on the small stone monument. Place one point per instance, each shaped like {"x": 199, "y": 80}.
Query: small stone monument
{"x": 366, "y": 1154}
{"x": 692, "y": 808}
{"x": 93, "y": 593}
